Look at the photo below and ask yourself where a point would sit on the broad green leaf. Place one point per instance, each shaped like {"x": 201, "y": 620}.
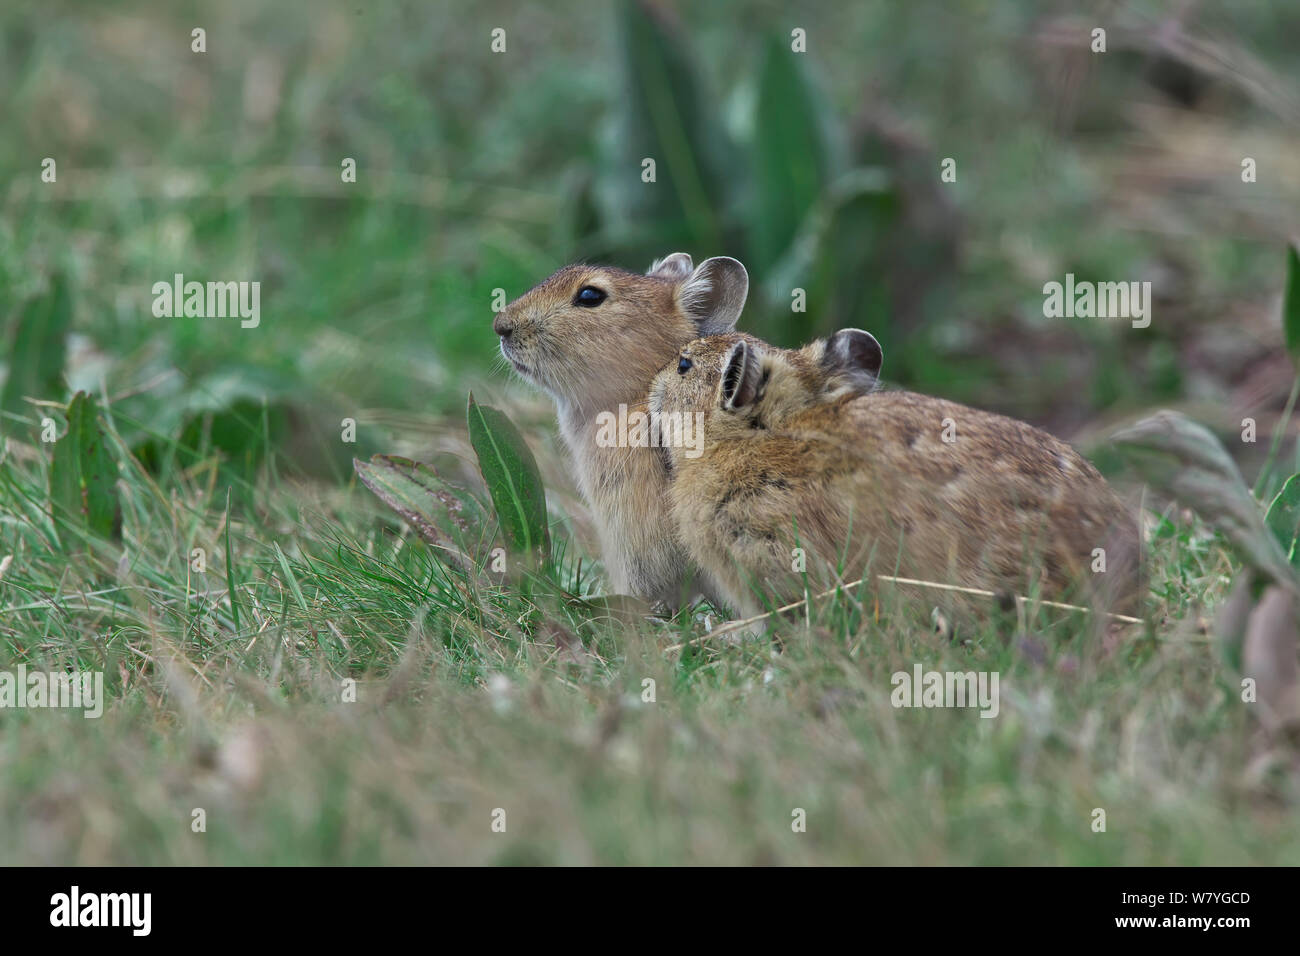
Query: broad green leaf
{"x": 832, "y": 257}
{"x": 447, "y": 517}
{"x": 1185, "y": 460}
{"x": 792, "y": 150}
{"x": 38, "y": 347}
{"x": 861, "y": 235}
{"x": 513, "y": 480}
{"x": 83, "y": 476}
{"x": 1283, "y": 519}
{"x": 1291, "y": 304}
{"x": 251, "y": 418}
{"x": 668, "y": 117}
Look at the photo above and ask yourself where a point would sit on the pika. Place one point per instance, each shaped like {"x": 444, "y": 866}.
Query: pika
{"x": 593, "y": 337}
{"x": 803, "y": 450}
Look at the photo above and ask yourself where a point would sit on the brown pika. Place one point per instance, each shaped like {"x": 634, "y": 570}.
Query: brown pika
{"x": 807, "y": 467}
{"x": 593, "y": 337}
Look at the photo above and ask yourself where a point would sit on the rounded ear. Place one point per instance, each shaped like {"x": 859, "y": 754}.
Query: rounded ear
{"x": 676, "y": 266}
{"x": 741, "y": 378}
{"x": 854, "y": 355}
{"x": 714, "y": 294}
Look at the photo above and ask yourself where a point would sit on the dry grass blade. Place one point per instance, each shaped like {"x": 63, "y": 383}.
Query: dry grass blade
{"x": 1021, "y": 601}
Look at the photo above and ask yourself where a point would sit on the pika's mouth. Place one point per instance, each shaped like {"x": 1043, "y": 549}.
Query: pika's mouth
{"x": 520, "y": 367}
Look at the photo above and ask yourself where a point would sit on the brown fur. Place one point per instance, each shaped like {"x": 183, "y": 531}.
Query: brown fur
{"x": 862, "y": 480}
{"x": 592, "y": 360}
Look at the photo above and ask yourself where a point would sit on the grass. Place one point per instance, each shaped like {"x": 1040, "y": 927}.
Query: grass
{"x": 226, "y": 691}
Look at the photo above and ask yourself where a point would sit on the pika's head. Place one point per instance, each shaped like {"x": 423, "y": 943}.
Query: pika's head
{"x": 737, "y": 385}
{"x": 745, "y": 383}
{"x": 593, "y": 336}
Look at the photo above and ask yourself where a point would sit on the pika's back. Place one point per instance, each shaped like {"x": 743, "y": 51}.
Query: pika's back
{"x": 933, "y": 436}
{"x": 989, "y": 488}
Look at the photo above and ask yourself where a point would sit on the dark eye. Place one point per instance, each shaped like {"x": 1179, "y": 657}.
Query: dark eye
{"x": 589, "y": 296}
{"x": 684, "y": 365}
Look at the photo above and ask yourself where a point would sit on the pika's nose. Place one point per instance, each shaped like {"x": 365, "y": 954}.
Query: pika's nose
{"x": 502, "y": 326}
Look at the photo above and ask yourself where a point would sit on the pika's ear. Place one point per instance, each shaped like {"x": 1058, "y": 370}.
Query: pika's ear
{"x": 855, "y": 356}
{"x": 714, "y": 294}
{"x": 676, "y": 266}
{"x": 741, "y": 378}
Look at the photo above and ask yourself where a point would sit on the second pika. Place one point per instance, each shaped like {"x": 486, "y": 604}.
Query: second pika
{"x": 800, "y": 452}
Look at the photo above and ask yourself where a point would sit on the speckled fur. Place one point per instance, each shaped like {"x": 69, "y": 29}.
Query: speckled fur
{"x": 866, "y": 479}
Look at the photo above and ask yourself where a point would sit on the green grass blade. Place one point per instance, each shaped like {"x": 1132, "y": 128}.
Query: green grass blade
{"x": 291, "y": 579}
{"x": 230, "y": 569}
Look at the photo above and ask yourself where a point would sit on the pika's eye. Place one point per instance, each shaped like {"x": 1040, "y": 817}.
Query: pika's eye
{"x": 589, "y": 296}
{"x": 684, "y": 365}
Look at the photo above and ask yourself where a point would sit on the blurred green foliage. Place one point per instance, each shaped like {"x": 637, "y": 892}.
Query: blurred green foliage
{"x": 480, "y": 171}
